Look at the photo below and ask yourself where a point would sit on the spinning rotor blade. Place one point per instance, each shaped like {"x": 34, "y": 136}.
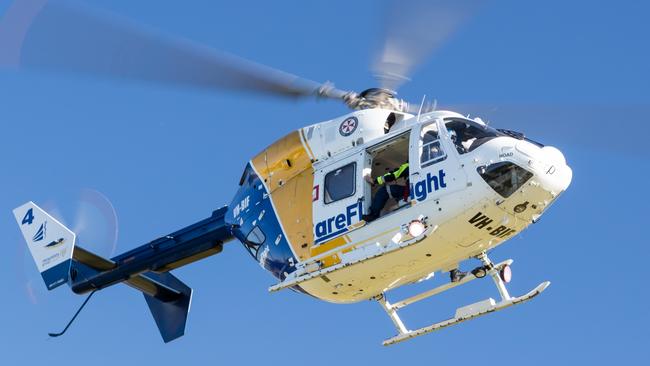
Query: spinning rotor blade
{"x": 607, "y": 129}
{"x": 414, "y": 29}
{"x": 96, "y": 223}
{"x": 63, "y": 37}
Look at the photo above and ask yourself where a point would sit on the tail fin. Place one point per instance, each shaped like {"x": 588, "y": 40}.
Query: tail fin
{"x": 170, "y": 314}
{"x": 50, "y": 243}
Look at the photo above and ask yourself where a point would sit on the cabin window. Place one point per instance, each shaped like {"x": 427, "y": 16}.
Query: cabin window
{"x": 430, "y": 149}
{"x": 505, "y": 177}
{"x": 340, "y": 183}
{"x": 254, "y": 241}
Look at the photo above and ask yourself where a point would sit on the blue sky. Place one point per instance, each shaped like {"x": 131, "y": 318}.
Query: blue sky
{"x": 571, "y": 74}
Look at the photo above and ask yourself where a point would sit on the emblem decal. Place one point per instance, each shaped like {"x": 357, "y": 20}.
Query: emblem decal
{"x": 348, "y": 126}
{"x": 55, "y": 243}
{"x": 41, "y": 233}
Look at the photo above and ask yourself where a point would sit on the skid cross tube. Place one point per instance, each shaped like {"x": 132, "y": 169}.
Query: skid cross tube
{"x": 496, "y": 277}
{"x": 463, "y": 313}
{"x": 392, "y": 314}
{"x": 442, "y": 288}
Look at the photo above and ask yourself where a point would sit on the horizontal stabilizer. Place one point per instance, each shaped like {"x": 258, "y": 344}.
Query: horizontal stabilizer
{"x": 168, "y": 298}
{"x": 50, "y": 243}
{"x": 170, "y": 314}
{"x": 92, "y": 260}
{"x": 149, "y": 283}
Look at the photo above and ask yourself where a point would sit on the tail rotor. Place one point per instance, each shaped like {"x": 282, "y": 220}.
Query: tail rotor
{"x": 96, "y": 224}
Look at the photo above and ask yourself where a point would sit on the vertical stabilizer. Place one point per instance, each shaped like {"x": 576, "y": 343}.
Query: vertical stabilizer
{"x": 170, "y": 313}
{"x": 50, "y": 243}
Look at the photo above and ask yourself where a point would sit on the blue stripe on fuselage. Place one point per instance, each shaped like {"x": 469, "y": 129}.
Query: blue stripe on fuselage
{"x": 252, "y": 207}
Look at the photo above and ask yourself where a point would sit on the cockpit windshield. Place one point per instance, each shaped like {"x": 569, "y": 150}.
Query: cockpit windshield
{"x": 467, "y": 135}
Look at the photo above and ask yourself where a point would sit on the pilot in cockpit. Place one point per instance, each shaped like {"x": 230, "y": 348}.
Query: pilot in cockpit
{"x": 461, "y": 139}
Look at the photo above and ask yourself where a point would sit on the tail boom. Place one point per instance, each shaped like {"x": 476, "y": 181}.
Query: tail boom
{"x": 182, "y": 247}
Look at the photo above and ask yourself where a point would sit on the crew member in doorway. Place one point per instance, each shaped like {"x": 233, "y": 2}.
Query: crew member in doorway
{"x": 386, "y": 191}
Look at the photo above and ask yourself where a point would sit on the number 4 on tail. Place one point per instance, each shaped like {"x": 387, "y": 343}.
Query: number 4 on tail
{"x": 29, "y": 217}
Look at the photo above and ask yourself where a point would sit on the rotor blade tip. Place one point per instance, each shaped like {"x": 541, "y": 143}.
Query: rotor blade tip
{"x": 15, "y": 23}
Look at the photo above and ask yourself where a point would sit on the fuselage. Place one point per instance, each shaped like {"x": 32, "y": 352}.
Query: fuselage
{"x": 301, "y": 201}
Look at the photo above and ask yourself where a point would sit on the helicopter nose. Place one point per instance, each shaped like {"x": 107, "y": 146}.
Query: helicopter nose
{"x": 549, "y": 166}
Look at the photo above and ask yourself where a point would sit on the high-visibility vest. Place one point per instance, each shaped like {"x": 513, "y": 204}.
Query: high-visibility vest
{"x": 403, "y": 170}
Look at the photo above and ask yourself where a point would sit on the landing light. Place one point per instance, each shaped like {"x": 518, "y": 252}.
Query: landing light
{"x": 506, "y": 274}
{"x": 416, "y": 228}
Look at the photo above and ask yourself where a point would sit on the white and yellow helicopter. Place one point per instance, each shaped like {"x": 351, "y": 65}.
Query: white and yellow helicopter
{"x": 343, "y": 210}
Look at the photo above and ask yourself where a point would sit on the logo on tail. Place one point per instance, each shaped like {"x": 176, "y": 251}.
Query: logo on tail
{"x": 41, "y": 233}
{"x": 55, "y": 243}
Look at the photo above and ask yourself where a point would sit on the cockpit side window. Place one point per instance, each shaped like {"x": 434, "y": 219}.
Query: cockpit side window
{"x": 431, "y": 151}
{"x": 248, "y": 176}
{"x": 467, "y": 135}
{"x": 254, "y": 241}
{"x": 504, "y": 177}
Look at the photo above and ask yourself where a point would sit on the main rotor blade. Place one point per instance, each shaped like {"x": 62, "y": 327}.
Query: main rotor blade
{"x": 607, "y": 129}
{"x": 66, "y": 37}
{"x": 414, "y": 29}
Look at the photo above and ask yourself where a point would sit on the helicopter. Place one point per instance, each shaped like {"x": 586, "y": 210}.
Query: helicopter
{"x": 302, "y": 208}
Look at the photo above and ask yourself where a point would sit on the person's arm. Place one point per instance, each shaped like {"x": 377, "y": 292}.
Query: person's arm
{"x": 394, "y": 175}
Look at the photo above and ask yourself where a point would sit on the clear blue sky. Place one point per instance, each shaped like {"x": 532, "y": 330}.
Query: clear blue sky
{"x": 573, "y": 74}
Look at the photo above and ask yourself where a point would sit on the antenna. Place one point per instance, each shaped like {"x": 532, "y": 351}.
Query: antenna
{"x": 73, "y": 318}
{"x": 421, "y": 105}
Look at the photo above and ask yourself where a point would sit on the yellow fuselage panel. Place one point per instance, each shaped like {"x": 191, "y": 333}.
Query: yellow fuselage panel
{"x": 286, "y": 169}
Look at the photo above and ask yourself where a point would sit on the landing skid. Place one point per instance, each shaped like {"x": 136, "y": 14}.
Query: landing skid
{"x": 463, "y": 313}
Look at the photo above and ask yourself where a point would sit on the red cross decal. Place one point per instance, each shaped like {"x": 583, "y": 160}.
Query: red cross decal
{"x": 348, "y": 126}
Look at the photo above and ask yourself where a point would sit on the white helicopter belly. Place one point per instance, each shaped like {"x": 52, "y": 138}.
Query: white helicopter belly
{"x": 460, "y": 229}
{"x": 441, "y": 250}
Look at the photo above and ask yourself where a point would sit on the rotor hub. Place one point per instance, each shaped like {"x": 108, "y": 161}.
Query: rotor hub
{"x": 376, "y": 98}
